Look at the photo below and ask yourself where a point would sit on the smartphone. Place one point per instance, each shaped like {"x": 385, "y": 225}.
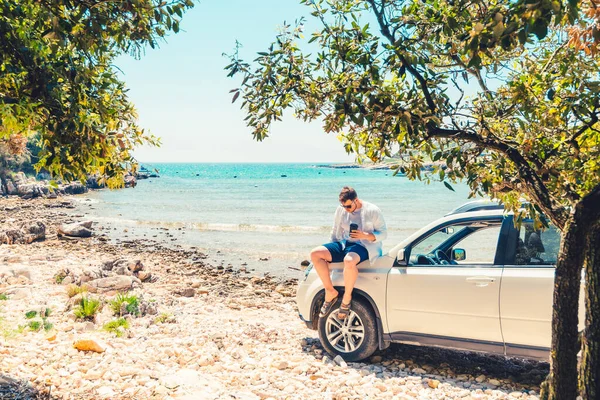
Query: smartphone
{"x": 353, "y": 227}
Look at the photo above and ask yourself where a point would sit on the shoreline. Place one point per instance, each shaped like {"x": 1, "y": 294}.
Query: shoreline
{"x": 228, "y": 333}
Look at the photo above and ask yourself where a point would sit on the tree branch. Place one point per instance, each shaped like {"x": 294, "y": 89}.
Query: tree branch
{"x": 385, "y": 30}
{"x": 537, "y": 189}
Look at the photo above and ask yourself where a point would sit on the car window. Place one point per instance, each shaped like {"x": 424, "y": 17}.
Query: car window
{"x": 479, "y": 243}
{"x": 537, "y": 246}
{"x": 480, "y": 246}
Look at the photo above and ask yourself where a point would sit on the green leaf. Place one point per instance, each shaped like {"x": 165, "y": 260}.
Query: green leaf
{"x": 448, "y": 186}
{"x": 540, "y": 29}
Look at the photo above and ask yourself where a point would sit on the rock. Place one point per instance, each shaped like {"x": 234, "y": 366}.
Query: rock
{"x": 281, "y": 365}
{"x": 25, "y": 233}
{"x": 376, "y": 359}
{"x": 494, "y": 382}
{"x": 22, "y": 272}
{"x": 284, "y": 291}
{"x": 187, "y": 292}
{"x": 33, "y": 231}
{"x": 51, "y": 336}
{"x": 121, "y": 270}
{"x": 135, "y": 266}
{"x": 419, "y": 371}
{"x": 516, "y": 395}
{"x": 74, "y": 188}
{"x": 340, "y": 361}
{"x": 78, "y": 229}
{"x": 105, "y": 391}
{"x": 90, "y": 345}
{"x": 19, "y": 293}
{"x": 144, "y": 276}
{"x": 93, "y": 375}
{"x": 480, "y": 378}
{"x": 433, "y": 383}
{"x": 118, "y": 283}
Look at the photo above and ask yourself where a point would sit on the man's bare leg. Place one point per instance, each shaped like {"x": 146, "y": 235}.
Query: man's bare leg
{"x": 321, "y": 257}
{"x": 350, "y": 274}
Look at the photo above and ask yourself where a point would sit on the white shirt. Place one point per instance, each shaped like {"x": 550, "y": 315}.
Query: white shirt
{"x": 371, "y": 222}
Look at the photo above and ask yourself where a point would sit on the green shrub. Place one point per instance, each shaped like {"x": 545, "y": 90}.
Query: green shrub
{"x": 3, "y": 296}
{"x": 131, "y": 304}
{"x": 48, "y": 325}
{"x": 164, "y": 318}
{"x": 73, "y": 290}
{"x": 35, "y": 325}
{"x": 87, "y": 308}
{"x": 118, "y": 326}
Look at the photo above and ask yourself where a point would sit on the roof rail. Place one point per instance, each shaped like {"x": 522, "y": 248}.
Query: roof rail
{"x": 478, "y": 205}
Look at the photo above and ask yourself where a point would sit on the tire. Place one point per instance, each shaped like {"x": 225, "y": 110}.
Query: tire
{"x": 347, "y": 342}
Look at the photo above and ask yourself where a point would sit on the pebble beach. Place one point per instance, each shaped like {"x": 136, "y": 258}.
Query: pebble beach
{"x": 201, "y": 331}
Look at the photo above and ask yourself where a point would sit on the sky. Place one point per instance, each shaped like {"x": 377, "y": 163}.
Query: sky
{"x": 181, "y": 90}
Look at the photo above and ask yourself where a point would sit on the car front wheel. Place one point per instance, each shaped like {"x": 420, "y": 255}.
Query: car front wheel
{"x": 355, "y": 337}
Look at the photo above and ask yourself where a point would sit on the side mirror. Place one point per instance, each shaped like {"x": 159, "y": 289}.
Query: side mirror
{"x": 400, "y": 258}
{"x": 459, "y": 254}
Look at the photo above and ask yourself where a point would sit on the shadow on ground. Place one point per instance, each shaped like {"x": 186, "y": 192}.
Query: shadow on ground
{"x": 15, "y": 389}
{"x": 520, "y": 371}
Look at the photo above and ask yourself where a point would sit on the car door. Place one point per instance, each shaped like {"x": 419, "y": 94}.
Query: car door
{"x": 452, "y": 303}
{"x": 527, "y": 290}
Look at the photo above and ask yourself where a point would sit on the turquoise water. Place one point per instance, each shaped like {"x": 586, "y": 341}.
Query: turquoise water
{"x": 252, "y": 210}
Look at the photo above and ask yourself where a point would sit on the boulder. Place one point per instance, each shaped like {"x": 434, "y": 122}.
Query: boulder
{"x": 90, "y": 345}
{"x": 33, "y": 230}
{"x": 92, "y": 182}
{"x": 74, "y": 188}
{"x": 11, "y": 189}
{"x": 117, "y": 283}
{"x": 25, "y": 233}
{"x": 78, "y": 229}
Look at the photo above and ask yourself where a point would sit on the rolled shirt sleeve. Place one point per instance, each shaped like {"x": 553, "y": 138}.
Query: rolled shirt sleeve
{"x": 380, "y": 228}
{"x": 334, "y": 237}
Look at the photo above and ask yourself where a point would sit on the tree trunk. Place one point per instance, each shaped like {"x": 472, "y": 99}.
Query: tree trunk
{"x": 561, "y": 384}
{"x": 589, "y": 376}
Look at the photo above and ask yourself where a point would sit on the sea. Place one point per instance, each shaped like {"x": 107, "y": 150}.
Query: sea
{"x": 264, "y": 217}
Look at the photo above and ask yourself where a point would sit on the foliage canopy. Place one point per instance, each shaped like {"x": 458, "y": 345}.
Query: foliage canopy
{"x": 57, "y": 79}
{"x": 495, "y": 89}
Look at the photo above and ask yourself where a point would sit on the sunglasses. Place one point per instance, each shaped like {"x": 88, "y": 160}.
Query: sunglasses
{"x": 347, "y": 207}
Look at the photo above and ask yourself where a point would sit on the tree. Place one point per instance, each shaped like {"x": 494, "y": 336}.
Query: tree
{"x": 504, "y": 92}
{"x": 58, "y": 81}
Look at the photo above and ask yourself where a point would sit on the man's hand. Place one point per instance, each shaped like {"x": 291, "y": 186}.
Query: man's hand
{"x": 362, "y": 235}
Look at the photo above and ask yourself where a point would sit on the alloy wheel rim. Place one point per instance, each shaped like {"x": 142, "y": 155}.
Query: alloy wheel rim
{"x": 344, "y": 335}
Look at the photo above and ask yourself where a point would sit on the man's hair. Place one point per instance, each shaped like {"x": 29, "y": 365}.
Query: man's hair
{"x": 347, "y": 193}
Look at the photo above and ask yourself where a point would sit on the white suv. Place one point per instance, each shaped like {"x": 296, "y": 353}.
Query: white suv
{"x": 469, "y": 280}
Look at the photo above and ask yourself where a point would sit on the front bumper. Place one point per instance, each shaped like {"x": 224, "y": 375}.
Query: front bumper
{"x": 309, "y": 324}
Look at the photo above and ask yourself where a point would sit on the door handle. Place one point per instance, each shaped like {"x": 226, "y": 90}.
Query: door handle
{"x": 481, "y": 281}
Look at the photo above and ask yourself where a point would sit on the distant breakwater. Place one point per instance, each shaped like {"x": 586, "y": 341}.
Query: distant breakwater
{"x": 388, "y": 166}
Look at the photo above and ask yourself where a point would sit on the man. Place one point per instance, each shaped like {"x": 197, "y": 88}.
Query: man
{"x": 351, "y": 247}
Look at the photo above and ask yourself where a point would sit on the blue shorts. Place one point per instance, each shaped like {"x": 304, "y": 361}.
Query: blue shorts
{"x": 338, "y": 252}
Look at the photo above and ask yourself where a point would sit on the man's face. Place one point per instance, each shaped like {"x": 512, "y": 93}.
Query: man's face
{"x": 349, "y": 205}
